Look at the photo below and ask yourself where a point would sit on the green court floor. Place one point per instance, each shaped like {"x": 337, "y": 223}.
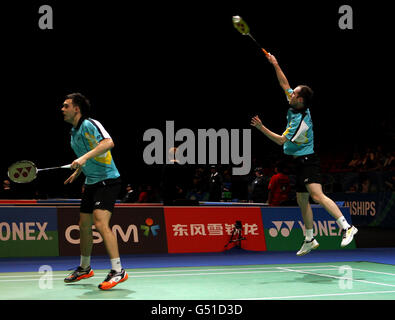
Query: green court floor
{"x": 338, "y": 280}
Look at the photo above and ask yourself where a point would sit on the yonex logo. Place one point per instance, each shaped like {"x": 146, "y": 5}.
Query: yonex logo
{"x": 149, "y": 226}
{"x": 22, "y": 171}
{"x": 285, "y": 231}
{"x": 321, "y": 228}
{"x": 23, "y": 231}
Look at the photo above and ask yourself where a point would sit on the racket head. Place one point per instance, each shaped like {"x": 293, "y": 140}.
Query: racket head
{"x": 23, "y": 171}
{"x": 240, "y": 25}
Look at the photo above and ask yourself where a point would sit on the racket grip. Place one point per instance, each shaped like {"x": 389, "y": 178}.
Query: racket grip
{"x": 265, "y": 52}
{"x": 67, "y": 166}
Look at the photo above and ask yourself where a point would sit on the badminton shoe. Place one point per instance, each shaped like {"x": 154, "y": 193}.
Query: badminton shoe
{"x": 113, "y": 278}
{"x": 348, "y": 235}
{"x": 79, "y": 274}
{"x": 307, "y": 247}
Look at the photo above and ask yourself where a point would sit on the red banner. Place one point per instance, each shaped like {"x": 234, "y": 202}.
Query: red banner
{"x": 209, "y": 229}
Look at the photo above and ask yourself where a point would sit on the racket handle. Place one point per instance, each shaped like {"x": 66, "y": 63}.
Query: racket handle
{"x": 67, "y": 166}
{"x": 265, "y": 52}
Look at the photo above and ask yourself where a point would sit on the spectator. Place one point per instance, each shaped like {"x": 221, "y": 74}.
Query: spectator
{"x": 227, "y": 184}
{"x": 365, "y": 185}
{"x": 353, "y": 188}
{"x": 174, "y": 179}
{"x": 389, "y": 161}
{"x": 146, "y": 194}
{"x": 279, "y": 186}
{"x": 215, "y": 184}
{"x": 197, "y": 190}
{"x": 7, "y": 192}
{"x": 380, "y": 157}
{"x": 259, "y": 187}
{"x": 356, "y": 161}
{"x": 131, "y": 195}
{"x": 369, "y": 161}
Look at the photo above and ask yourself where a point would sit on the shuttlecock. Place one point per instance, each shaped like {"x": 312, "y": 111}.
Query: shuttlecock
{"x": 236, "y": 19}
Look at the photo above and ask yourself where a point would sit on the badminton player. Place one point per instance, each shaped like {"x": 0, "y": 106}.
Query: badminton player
{"x": 91, "y": 144}
{"x": 298, "y": 142}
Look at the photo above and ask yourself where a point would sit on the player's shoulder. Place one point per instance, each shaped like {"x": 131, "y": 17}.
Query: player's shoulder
{"x": 294, "y": 114}
{"x": 95, "y": 126}
{"x": 90, "y": 123}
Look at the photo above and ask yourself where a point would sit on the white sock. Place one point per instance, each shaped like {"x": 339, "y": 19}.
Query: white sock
{"x": 85, "y": 262}
{"x": 116, "y": 264}
{"x": 342, "y": 223}
{"x": 309, "y": 234}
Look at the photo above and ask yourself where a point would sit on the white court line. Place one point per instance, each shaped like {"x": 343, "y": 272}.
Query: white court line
{"x": 187, "y": 270}
{"x": 174, "y": 275}
{"x": 318, "y": 295}
{"x": 378, "y": 272}
{"x": 340, "y": 278}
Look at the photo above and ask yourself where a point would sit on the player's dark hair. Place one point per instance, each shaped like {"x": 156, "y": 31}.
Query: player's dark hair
{"x": 81, "y": 101}
{"x": 282, "y": 166}
{"x": 307, "y": 94}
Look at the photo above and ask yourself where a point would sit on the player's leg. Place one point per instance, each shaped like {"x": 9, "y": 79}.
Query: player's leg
{"x": 318, "y": 196}
{"x": 304, "y": 205}
{"x": 117, "y": 275}
{"x": 84, "y": 270}
{"x": 311, "y": 177}
{"x": 315, "y": 190}
{"x": 105, "y": 198}
{"x": 86, "y": 239}
{"x": 309, "y": 242}
{"x": 101, "y": 220}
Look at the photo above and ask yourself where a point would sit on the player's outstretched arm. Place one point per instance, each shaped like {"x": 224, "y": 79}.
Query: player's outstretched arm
{"x": 257, "y": 123}
{"x": 282, "y": 79}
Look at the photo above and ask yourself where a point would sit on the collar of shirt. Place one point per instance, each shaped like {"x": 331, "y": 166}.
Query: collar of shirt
{"x": 298, "y": 111}
{"x": 78, "y": 125}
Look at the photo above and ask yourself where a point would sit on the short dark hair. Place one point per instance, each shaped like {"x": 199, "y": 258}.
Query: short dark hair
{"x": 81, "y": 101}
{"x": 282, "y": 166}
{"x": 307, "y": 94}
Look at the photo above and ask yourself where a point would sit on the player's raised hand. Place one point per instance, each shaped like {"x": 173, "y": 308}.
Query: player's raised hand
{"x": 256, "y": 122}
{"x": 272, "y": 59}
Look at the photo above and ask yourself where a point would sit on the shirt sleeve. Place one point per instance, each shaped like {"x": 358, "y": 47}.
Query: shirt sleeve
{"x": 288, "y": 93}
{"x": 96, "y": 130}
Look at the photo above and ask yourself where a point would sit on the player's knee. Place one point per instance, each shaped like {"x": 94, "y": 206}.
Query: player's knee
{"x": 101, "y": 226}
{"x": 317, "y": 198}
{"x": 302, "y": 200}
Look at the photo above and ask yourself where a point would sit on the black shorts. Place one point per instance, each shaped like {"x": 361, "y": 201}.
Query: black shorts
{"x": 101, "y": 195}
{"x": 307, "y": 170}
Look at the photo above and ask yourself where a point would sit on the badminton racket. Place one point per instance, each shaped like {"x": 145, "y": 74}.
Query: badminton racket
{"x": 243, "y": 28}
{"x": 26, "y": 171}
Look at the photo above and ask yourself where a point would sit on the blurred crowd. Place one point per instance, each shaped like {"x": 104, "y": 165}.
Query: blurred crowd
{"x": 370, "y": 171}
{"x": 372, "y": 160}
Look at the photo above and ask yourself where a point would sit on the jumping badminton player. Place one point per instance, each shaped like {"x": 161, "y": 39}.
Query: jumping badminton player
{"x": 298, "y": 141}
{"x": 91, "y": 143}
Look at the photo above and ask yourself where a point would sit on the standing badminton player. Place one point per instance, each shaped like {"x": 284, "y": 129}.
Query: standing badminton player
{"x": 91, "y": 143}
{"x": 298, "y": 142}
